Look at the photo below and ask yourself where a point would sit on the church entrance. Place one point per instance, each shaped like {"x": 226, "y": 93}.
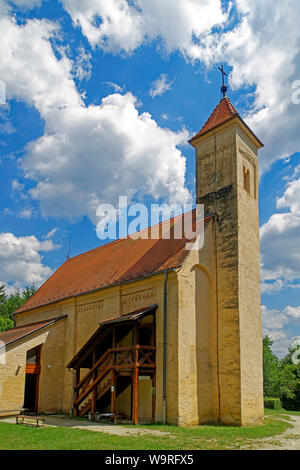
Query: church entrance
{"x": 121, "y": 362}
{"x": 32, "y": 380}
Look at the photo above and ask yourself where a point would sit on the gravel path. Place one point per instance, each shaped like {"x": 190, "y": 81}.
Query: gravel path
{"x": 116, "y": 430}
{"x": 289, "y": 440}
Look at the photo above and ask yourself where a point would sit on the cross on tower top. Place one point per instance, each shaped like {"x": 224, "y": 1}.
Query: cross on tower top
{"x": 224, "y": 87}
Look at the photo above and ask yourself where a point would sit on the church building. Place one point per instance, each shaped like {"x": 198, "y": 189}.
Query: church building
{"x": 146, "y": 329}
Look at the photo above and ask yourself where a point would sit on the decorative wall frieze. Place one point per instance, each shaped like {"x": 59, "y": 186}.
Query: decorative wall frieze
{"x": 139, "y": 296}
{"x": 248, "y": 157}
{"x": 92, "y": 307}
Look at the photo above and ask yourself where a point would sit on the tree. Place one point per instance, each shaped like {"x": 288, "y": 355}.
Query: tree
{"x": 9, "y": 304}
{"x": 270, "y": 368}
{"x": 292, "y": 403}
{"x": 281, "y": 377}
{"x": 2, "y": 295}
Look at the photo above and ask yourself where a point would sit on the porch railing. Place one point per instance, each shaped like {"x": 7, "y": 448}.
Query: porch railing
{"x": 99, "y": 380}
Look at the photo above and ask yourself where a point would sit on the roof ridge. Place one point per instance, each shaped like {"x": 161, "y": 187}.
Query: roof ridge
{"x": 230, "y": 105}
{"x": 160, "y": 224}
{"x": 127, "y": 262}
{"x": 34, "y": 323}
{"x": 221, "y": 113}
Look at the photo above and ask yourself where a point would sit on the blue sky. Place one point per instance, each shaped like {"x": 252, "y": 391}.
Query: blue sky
{"x": 101, "y": 98}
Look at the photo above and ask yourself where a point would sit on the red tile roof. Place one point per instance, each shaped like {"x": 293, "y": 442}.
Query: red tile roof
{"x": 223, "y": 112}
{"x": 123, "y": 260}
{"x": 10, "y": 336}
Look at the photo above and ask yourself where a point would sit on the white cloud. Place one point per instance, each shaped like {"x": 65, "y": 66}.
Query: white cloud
{"x": 31, "y": 71}
{"x": 280, "y": 242}
{"x": 281, "y": 341}
{"x": 89, "y": 154}
{"x": 275, "y": 323}
{"x": 116, "y": 87}
{"x": 51, "y": 233}
{"x": 21, "y": 262}
{"x": 4, "y": 8}
{"x": 260, "y": 55}
{"x": 27, "y": 3}
{"x": 26, "y": 213}
{"x": 117, "y": 26}
{"x": 7, "y": 128}
{"x": 272, "y": 318}
{"x": 102, "y": 152}
{"x": 7, "y": 211}
{"x": 83, "y": 66}
{"x": 160, "y": 86}
{"x": 17, "y": 186}
{"x": 293, "y": 312}
{"x": 264, "y": 51}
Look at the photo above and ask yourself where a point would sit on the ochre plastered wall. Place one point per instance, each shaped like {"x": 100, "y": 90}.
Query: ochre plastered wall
{"x": 197, "y": 336}
{"x": 249, "y": 277}
{"x": 238, "y": 326}
{"x": 12, "y": 376}
{"x": 85, "y": 312}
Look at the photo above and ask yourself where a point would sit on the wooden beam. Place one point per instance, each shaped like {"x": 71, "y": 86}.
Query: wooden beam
{"x": 94, "y": 402}
{"x": 94, "y": 392}
{"x": 83, "y": 355}
{"x": 113, "y": 377}
{"x": 113, "y": 393}
{"x": 135, "y": 408}
{"x": 96, "y": 366}
{"x": 91, "y": 387}
{"x": 136, "y": 389}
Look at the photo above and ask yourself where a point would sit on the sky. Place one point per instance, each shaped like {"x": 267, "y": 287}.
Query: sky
{"x": 98, "y": 99}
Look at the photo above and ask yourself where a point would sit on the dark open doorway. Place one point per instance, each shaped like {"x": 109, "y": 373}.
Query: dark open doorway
{"x": 32, "y": 380}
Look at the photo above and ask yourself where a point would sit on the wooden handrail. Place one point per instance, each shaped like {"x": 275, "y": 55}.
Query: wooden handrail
{"x": 108, "y": 351}
{"x": 92, "y": 386}
{"x": 108, "y": 355}
{"x": 96, "y": 366}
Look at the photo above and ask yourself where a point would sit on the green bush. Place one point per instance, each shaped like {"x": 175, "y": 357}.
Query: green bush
{"x": 273, "y": 403}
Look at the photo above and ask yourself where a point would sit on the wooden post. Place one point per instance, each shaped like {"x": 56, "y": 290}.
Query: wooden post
{"x": 135, "y": 414}
{"x": 94, "y": 392}
{"x": 94, "y": 402}
{"x": 113, "y": 393}
{"x": 113, "y": 396}
{"x": 136, "y": 389}
{"x": 76, "y": 393}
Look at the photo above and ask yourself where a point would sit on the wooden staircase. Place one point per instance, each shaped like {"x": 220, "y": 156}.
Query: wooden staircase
{"x": 101, "y": 390}
{"x": 94, "y": 391}
{"x": 94, "y": 383}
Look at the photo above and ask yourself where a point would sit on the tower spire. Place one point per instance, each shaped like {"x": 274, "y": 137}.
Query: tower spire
{"x": 224, "y": 87}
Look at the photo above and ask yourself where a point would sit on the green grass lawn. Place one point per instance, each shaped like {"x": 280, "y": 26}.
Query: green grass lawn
{"x": 14, "y": 437}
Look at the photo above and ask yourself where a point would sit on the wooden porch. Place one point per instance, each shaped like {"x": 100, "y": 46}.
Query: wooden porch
{"x": 107, "y": 364}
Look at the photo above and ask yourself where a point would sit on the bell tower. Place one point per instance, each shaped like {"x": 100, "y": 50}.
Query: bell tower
{"x": 227, "y": 185}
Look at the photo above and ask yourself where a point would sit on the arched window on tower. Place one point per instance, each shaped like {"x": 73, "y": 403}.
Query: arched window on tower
{"x": 246, "y": 173}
